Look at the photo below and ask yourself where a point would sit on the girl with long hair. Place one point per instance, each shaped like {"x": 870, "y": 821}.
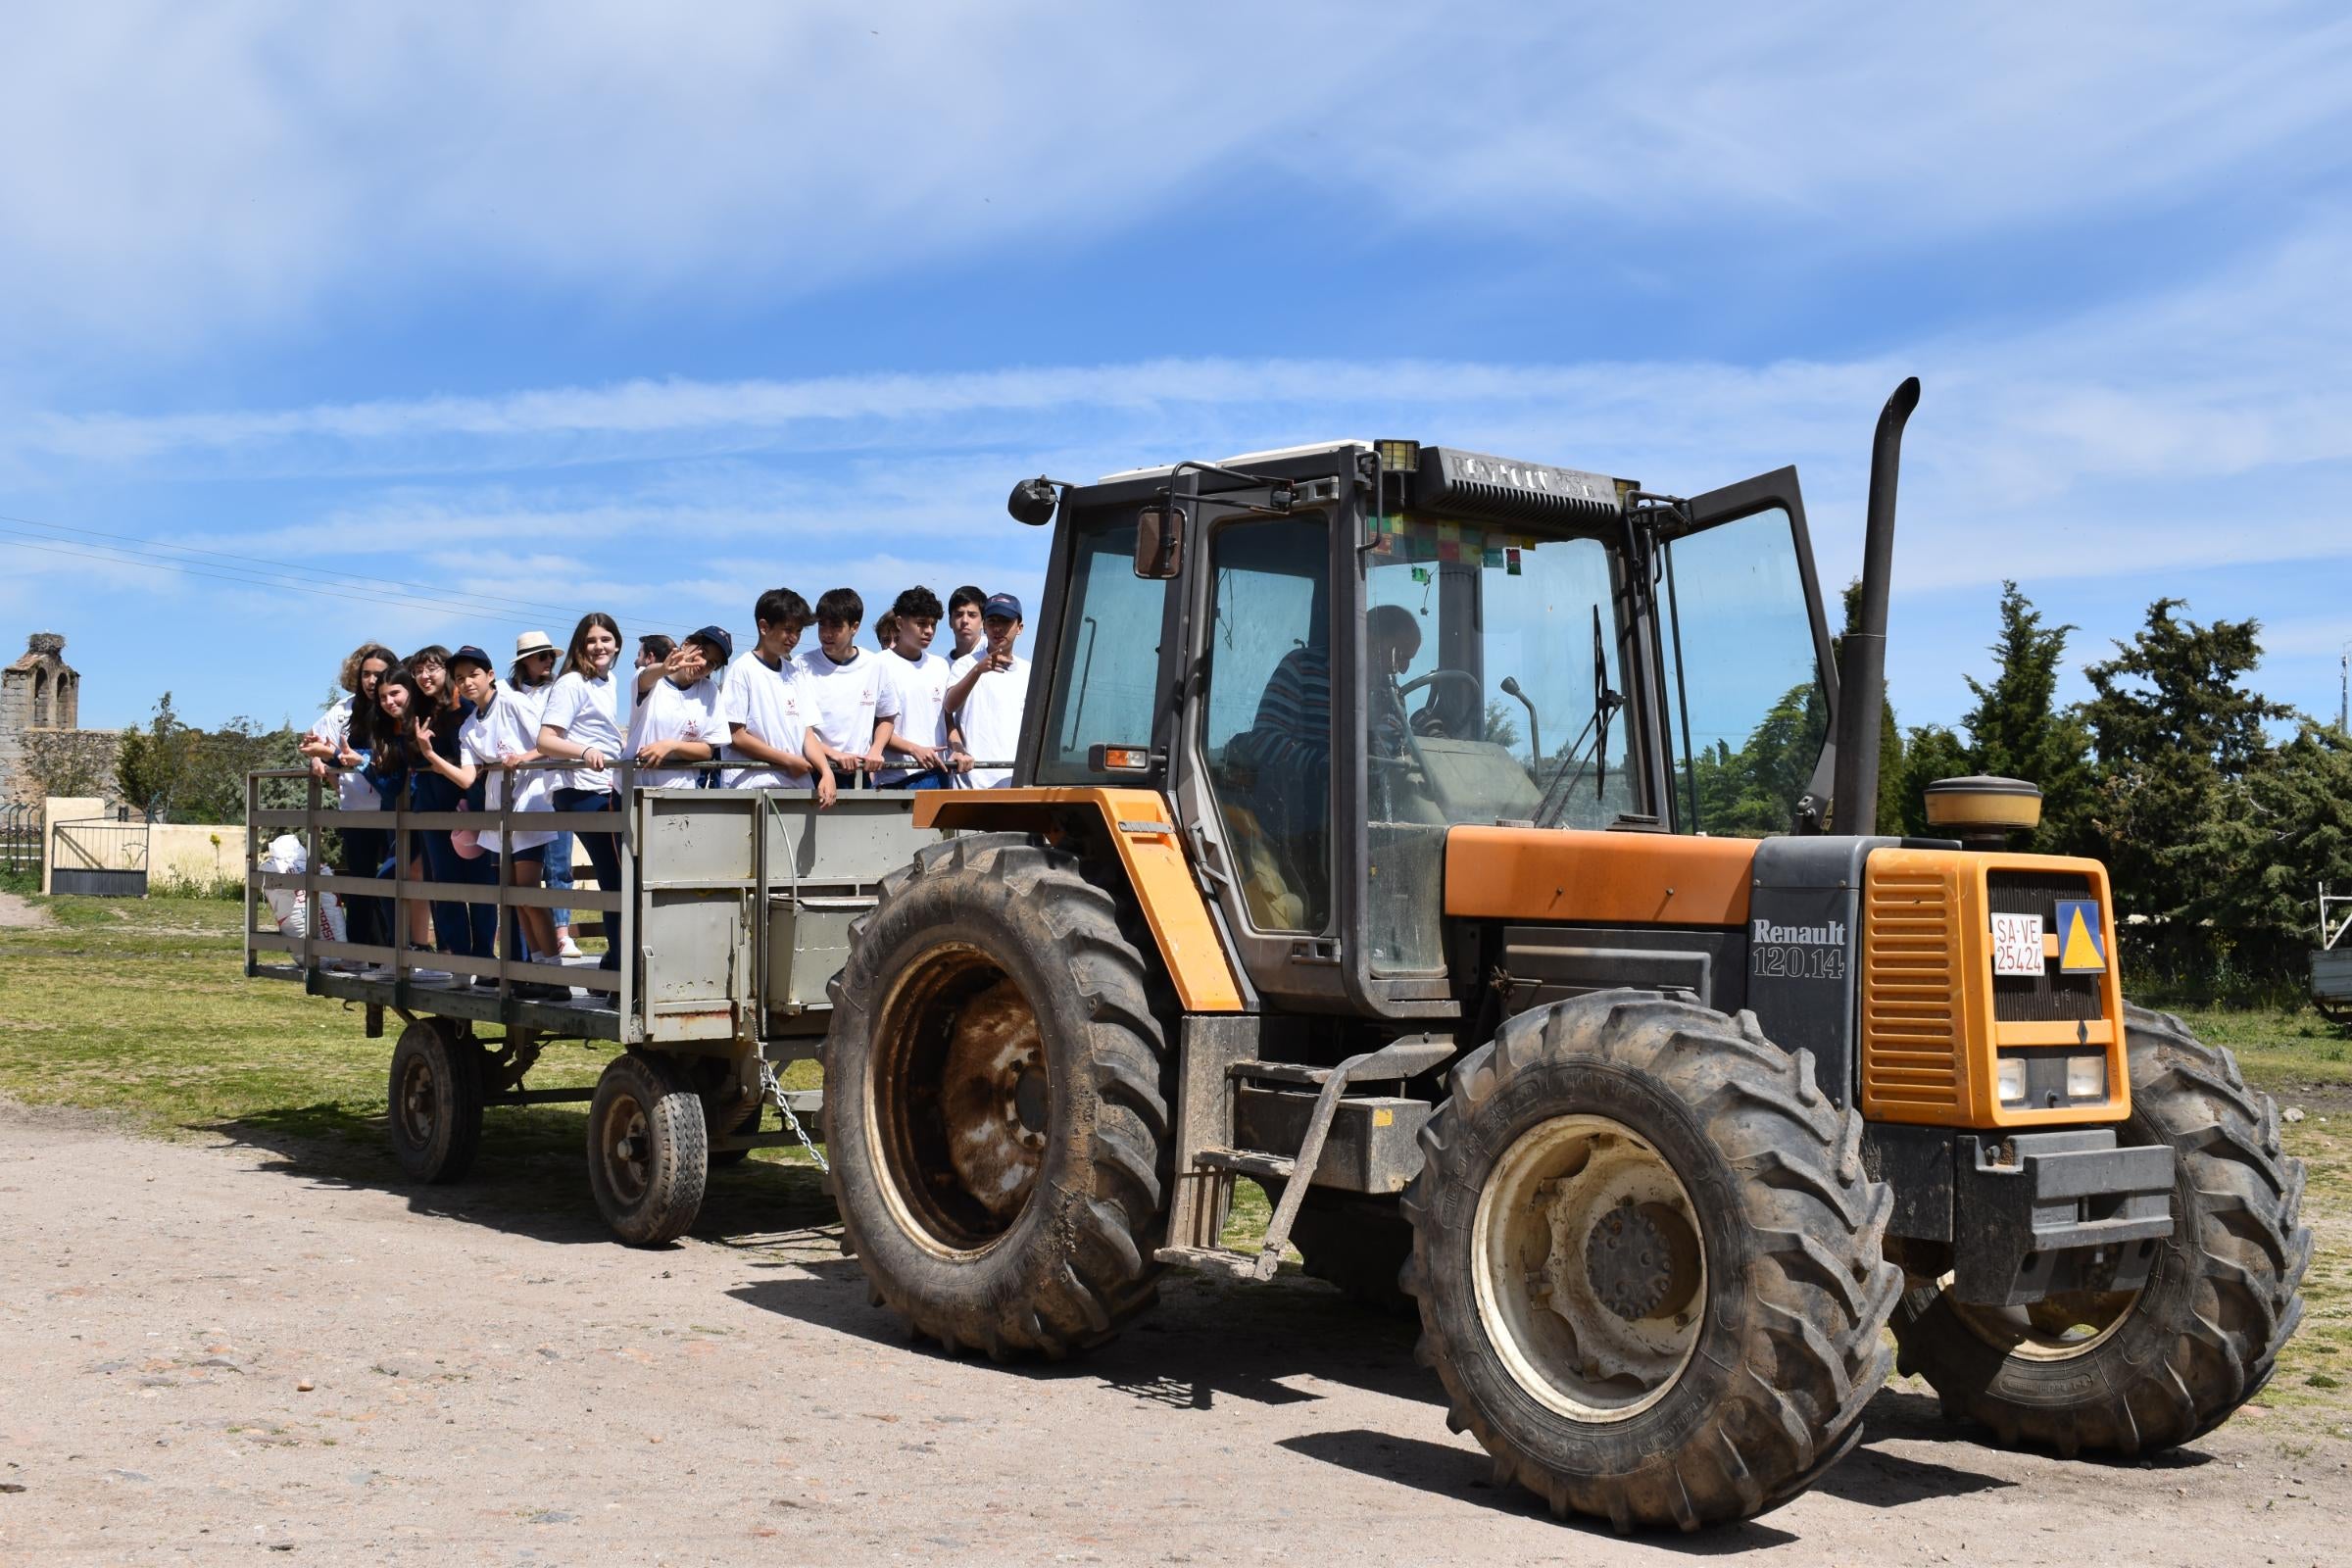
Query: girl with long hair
{"x": 394, "y": 755}
{"x": 466, "y": 930}
{"x": 581, "y": 724}
{"x": 331, "y": 745}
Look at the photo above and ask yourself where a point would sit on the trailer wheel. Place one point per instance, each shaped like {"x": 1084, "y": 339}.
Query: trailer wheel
{"x": 1648, "y": 1261}
{"x": 994, "y": 1107}
{"x": 2133, "y": 1372}
{"x": 648, "y": 1150}
{"x": 434, "y": 1110}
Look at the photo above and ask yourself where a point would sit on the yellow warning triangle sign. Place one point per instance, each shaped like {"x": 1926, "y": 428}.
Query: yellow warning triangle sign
{"x": 2081, "y": 949}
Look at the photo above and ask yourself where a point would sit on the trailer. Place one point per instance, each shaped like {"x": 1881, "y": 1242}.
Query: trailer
{"x": 737, "y": 904}
{"x": 2331, "y": 960}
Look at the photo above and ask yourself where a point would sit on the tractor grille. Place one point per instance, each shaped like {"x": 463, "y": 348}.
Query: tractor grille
{"x": 1911, "y": 994}
{"x": 2048, "y": 996}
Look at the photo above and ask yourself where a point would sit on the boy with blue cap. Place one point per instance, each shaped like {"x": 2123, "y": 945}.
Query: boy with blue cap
{"x": 987, "y": 701}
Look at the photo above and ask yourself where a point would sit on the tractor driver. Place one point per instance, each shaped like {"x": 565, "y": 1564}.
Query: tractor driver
{"x": 1284, "y": 760}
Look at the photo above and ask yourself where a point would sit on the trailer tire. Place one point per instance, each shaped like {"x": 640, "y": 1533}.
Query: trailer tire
{"x": 648, "y": 1150}
{"x": 995, "y": 1105}
{"x": 434, "y": 1101}
{"x": 2171, "y": 1361}
{"x": 1688, "y": 1192}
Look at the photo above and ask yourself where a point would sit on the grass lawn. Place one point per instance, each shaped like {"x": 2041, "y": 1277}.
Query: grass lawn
{"x": 141, "y": 1007}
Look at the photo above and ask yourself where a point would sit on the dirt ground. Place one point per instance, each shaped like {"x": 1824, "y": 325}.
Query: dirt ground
{"x": 210, "y": 1353}
{"x": 20, "y": 915}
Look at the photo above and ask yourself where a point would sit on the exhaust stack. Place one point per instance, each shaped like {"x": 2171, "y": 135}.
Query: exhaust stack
{"x": 1862, "y": 657}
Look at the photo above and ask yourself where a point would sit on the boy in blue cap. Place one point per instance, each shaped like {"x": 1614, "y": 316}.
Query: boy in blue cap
{"x": 987, "y": 701}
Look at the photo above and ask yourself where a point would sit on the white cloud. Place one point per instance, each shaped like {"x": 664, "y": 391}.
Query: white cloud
{"x": 189, "y": 174}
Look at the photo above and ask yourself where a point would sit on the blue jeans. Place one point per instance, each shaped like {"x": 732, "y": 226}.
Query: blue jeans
{"x": 604, "y": 852}
{"x": 556, "y": 871}
{"x": 454, "y": 924}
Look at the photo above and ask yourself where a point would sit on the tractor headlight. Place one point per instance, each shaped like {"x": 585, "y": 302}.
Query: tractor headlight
{"x": 2010, "y": 1077}
{"x": 2085, "y": 1077}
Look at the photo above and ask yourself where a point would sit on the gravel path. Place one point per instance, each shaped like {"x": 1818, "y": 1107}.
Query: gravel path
{"x": 210, "y": 1353}
{"x": 16, "y": 914}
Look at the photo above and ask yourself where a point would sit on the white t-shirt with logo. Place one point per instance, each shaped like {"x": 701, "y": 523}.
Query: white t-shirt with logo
{"x": 669, "y": 711}
{"x": 353, "y": 792}
{"x": 508, "y": 728}
{"x": 991, "y": 720}
{"x": 775, "y": 706}
{"x": 917, "y": 689}
{"x": 846, "y": 699}
{"x": 586, "y": 712}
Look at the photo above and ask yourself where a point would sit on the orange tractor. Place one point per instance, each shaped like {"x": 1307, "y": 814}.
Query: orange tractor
{"x": 1479, "y": 855}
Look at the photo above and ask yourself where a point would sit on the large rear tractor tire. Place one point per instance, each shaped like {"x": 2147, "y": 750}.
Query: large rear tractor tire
{"x": 435, "y": 1102}
{"x": 649, "y": 1147}
{"x": 2137, "y": 1371}
{"x": 995, "y": 1108}
{"x": 1648, "y": 1261}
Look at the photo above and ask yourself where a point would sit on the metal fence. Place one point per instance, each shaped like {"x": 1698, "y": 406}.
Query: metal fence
{"x": 103, "y": 856}
{"x": 21, "y": 839}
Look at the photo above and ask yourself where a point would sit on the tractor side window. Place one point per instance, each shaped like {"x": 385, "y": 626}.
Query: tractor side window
{"x": 1743, "y": 679}
{"x": 1267, "y": 723}
{"x": 1108, "y": 669}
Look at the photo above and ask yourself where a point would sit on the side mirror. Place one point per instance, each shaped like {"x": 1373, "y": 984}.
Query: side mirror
{"x": 1158, "y": 542}
{"x": 1033, "y": 501}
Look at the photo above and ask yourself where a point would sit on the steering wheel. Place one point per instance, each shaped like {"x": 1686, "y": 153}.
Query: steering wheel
{"x": 1458, "y": 713}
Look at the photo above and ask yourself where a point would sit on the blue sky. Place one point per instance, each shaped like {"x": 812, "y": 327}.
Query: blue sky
{"x": 645, "y": 309}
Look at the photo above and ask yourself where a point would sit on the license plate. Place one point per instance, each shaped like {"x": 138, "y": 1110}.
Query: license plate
{"x": 2017, "y": 944}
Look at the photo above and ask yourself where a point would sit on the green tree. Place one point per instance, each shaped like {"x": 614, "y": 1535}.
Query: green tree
{"x": 2176, "y": 733}
{"x": 1932, "y": 752}
{"x": 2281, "y": 829}
{"x": 174, "y": 771}
{"x": 2018, "y": 730}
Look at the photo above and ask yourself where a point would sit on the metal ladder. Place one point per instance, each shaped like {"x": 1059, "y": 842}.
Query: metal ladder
{"x": 1208, "y": 1171}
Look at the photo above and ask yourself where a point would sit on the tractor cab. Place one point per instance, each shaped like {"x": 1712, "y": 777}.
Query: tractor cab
{"x": 1335, "y": 655}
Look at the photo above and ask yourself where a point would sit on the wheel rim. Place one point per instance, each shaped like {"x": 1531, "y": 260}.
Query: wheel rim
{"x": 2057, "y": 1328}
{"x": 627, "y": 1148}
{"x": 417, "y": 1107}
{"x": 1589, "y": 1268}
{"x": 960, "y": 1103}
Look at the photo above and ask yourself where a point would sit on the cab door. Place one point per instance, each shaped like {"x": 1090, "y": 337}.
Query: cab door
{"x": 1743, "y": 654}
{"x": 1257, "y": 741}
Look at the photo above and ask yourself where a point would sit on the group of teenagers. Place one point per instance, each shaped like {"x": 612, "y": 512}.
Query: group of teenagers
{"x": 440, "y": 731}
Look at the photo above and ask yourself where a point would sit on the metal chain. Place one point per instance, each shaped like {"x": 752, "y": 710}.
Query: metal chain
{"x": 774, "y": 1087}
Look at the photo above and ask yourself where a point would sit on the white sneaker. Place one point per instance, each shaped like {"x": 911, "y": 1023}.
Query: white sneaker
{"x": 570, "y": 950}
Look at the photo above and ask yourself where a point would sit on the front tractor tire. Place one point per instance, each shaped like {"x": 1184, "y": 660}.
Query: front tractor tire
{"x": 993, "y": 1102}
{"x": 1648, "y": 1261}
{"x": 2135, "y": 1372}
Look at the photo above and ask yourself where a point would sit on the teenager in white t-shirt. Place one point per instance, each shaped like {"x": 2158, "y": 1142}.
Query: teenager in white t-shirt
{"x": 676, "y": 718}
{"x": 845, "y": 685}
{"x": 971, "y": 637}
{"x": 988, "y": 698}
{"x": 920, "y": 729}
{"x": 582, "y": 723}
{"x": 766, "y": 706}
{"x": 531, "y": 679}
{"x": 500, "y": 735}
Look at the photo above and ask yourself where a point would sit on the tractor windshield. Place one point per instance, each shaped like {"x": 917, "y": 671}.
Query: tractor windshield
{"x": 1492, "y": 656}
